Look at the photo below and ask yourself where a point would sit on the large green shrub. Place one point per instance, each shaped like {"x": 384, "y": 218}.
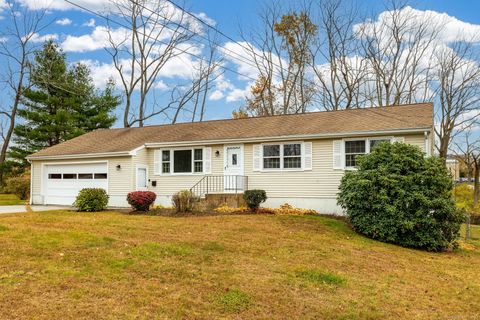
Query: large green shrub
{"x": 19, "y": 186}
{"x": 184, "y": 201}
{"x": 399, "y": 196}
{"x": 254, "y": 198}
{"x": 91, "y": 199}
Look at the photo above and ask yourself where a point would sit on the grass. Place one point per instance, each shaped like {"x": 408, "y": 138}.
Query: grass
{"x": 10, "y": 200}
{"x": 110, "y": 265}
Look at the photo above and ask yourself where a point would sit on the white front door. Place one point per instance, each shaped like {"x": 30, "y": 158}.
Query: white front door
{"x": 142, "y": 180}
{"x": 233, "y": 168}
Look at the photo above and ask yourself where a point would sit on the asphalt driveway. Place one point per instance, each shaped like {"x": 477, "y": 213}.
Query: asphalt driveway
{"x": 23, "y": 208}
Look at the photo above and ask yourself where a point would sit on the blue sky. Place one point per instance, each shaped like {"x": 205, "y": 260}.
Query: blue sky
{"x": 229, "y": 17}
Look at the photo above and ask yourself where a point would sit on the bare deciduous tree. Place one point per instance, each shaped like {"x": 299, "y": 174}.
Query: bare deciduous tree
{"x": 342, "y": 74}
{"x": 457, "y": 88}
{"x": 157, "y": 33}
{"x": 280, "y": 52}
{"x": 398, "y": 48}
{"x": 16, "y": 48}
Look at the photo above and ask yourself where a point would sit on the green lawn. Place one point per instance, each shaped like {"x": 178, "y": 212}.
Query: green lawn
{"x": 66, "y": 265}
{"x": 10, "y": 199}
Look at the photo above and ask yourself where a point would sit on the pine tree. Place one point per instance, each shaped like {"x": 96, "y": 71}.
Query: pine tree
{"x": 62, "y": 104}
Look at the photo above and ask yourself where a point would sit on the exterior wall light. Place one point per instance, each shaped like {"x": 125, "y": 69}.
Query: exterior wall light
{"x": 119, "y": 167}
{"x": 217, "y": 153}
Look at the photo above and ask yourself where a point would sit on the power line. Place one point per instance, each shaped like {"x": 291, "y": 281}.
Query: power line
{"x": 231, "y": 39}
{"x": 151, "y": 38}
{"x": 243, "y": 59}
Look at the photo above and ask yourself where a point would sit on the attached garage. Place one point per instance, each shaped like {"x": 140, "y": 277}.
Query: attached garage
{"x": 62, "y": 182}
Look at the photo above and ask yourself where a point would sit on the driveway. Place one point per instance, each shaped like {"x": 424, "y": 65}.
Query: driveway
{"x": 22, "y": 208}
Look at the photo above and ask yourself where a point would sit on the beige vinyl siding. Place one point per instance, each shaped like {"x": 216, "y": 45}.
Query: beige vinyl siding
{"x": 167, "y": 185}
{"x": 119, "y": 181}
{"x": 320, "y": 182}
{"x": 416, "y": 140}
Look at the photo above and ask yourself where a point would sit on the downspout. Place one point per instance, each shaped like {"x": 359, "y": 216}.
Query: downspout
{"x": 427, "y": 144}
{"x": 30, "y": 201}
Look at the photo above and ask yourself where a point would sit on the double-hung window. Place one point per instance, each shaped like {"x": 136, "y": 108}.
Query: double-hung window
{"x": 282, "y": 156}
{"x": 355, "y": 148}
{"x": 181, "y": 161}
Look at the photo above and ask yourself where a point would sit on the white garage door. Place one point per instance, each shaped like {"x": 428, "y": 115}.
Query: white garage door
{"x": 63, "y": 182}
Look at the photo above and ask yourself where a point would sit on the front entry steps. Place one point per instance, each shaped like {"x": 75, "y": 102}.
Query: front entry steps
{"x": 215, "y": 200}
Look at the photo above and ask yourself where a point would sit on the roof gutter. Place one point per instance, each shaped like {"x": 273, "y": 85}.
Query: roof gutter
{"x": 288, "y": 137}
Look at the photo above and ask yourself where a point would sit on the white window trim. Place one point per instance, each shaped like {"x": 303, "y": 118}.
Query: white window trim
{"x": 302, "y": 156}
{"x": 159, "y": 172}
{"x": 367, "y": 147}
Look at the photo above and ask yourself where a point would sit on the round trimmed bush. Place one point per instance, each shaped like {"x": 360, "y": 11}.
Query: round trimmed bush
{"x": 254, "y": 198}
{"x": 91, "y": 199}
{"x": 141, "y": 200}
{"x": 399, "y": 196}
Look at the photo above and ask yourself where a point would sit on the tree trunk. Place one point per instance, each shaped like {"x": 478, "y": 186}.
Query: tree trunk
{"x": 476, "y": 184}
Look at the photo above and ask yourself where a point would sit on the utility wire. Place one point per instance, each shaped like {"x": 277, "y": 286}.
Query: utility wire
{"x": 151, "y": 38}
{"x": 238, "y": 55}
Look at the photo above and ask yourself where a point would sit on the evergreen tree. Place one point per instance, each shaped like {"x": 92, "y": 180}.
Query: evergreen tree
{"x": 62, "y": 104}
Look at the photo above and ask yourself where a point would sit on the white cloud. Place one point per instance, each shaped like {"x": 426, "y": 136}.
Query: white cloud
{"x": 96, "y": 40}
{"x": 238, "y": 94}
{"x": 216, "y": 95}
{"x": 63, "y": 5}
{"x": 203, "y": 16}
{"x": 64, "y": 22}
{"x": 160, "y": 85}
{"x": 36, "y": 38}
{"x": 89, "y": 23}
{"x": 449, "y": 28}
{"x": 101, "y": 72}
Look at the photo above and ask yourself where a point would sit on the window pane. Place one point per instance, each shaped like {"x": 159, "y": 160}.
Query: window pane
{"x": 375, "y": 143}
{"x": 166, "y": 155}
{"x": 85, "y": 176}
{"x": 271, "y": 163}
{"x": 166, "y": 167}
{"x": 292, "y": 162}
{"x": 100, "y": 176}
{"x": 55, "y": 176}
{"x": 234, "y": 159}
{"x": 292, "y": 149}
{"x": 355, "y": 146}
{"x": 351, "y": 160}
{"x": 198, "y": 166}
{"x": 182, "y": 161}
{"x": 198, "y": 154}
{"x": 271, "y": 150}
